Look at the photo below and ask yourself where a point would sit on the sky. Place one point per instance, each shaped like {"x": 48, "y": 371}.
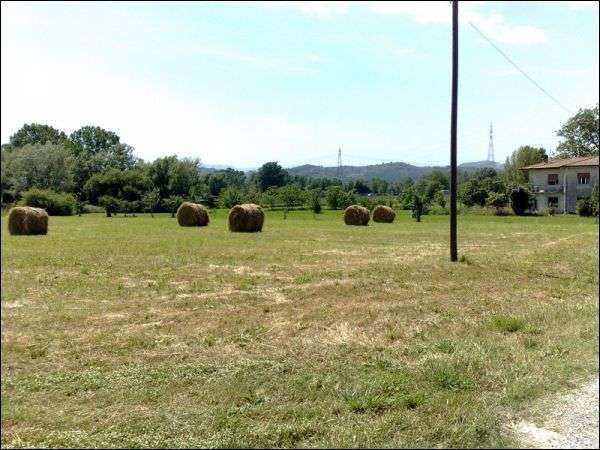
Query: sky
{"x": 241, "y": 84}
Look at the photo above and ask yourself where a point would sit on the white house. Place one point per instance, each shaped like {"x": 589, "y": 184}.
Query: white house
{"x": 559, "y": 183}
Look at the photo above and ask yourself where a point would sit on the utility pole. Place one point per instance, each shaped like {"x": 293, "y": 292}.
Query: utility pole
{"x": 453, "y": 170}
{"x": 340, "y": 169}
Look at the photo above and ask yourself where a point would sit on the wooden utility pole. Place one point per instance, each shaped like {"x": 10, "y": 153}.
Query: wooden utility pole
{"x": 453, "y": 170}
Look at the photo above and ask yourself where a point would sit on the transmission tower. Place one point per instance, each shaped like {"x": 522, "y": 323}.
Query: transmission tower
{"x": 340, "y": 170}
{"x": 491, "y": 145}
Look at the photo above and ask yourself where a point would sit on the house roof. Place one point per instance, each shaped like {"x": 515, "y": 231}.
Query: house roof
{"x": 570, "y": 162}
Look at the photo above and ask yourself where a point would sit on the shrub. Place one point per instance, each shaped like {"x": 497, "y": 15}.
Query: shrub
{"x": 314, "y": 202}
{"x": 585, "y": 207}
{"x": 111, "y": 204}
{"x": 171, "y": 203}
{"x": 497, "y": 201}
{"x": 230, "y": 197}
{"x": 417, "y": 207}
{"x": 519, "y": 200}
{"x": 55, "y": 203}
{"x": 337, "y": 198}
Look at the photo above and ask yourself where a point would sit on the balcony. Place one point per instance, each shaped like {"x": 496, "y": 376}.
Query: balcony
{"x": 548, "y": 188}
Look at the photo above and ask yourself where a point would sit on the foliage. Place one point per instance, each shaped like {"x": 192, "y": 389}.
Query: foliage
{"x": 151, "y": 201}
{"x": 519, "y": 200}
{"x": 111, "y": 204}
{"x": 55, "y": 203}
{"x": 230, "y": 197}
{"x": 585, "y": 207}
{"x": 497, "y": 200}
{"x": 171, "y": 203}
{"x": 417, "y": 206}
{"x": 580, "y": 135}
{"x": 127, "y": 185}
{"x": 35, "y": 133}
{"x": 45, "y": 166}
{"x": 525, "y": 155}
{"x": 337, "y": 198}
{"x": 92, "y": 139}
{"x": 271, "y": 174}
{"x": 594, "y": 199}
{"x": 314, "y": 201}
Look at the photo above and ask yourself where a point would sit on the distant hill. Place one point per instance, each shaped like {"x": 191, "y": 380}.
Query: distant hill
{"x": 388, "y": 171}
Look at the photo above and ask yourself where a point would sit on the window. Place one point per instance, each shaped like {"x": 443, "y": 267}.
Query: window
{"x": 552, "y": 178}
{"x": 583, "y": 178}
{"x": 552, "y": 202}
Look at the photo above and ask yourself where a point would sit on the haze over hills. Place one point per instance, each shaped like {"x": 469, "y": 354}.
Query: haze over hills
{"x": 387, "y": 171}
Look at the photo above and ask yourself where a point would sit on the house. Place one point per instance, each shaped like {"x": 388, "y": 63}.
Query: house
{"x": 558, "y": 183}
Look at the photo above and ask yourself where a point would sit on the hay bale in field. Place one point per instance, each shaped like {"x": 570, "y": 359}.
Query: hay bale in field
{"x": 383, "y": 214}
{"x": 192, "y": 215}
{"x": 27, "y": 220}
{"x": 356, "y": 215}
{"x": 247, "y": 217}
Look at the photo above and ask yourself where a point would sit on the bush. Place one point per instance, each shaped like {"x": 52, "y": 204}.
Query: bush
{"x": 171, "y": 203}
{"x": 230, "y": 197}
{"x": 438, "y": 210}
{"x": 55, "y": 203}
{"x": 111, "y": 204}
{"x": 519, "y": 200}
{"x": 314, "y": 203}
{"x": 585, "y": 207}
{"x": 337, "y": 198}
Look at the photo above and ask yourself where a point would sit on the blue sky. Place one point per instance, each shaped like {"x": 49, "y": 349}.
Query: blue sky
{"x": 241, "y": 84}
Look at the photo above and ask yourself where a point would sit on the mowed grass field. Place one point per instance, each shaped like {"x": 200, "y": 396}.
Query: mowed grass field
{"x": 134, "y": 332}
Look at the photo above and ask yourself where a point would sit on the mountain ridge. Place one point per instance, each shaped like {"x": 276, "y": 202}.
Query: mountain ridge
{"x": 393, "y": 171}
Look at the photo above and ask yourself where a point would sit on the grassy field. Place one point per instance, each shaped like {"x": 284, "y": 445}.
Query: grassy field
{"x": 135, "y": 332}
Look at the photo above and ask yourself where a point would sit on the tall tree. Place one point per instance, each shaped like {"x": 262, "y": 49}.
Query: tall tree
{"x": 35, "y": 133}
{"x": 92, "y": 139}
{"x": 525, "y": 155}
{"x": 46, "y": 166}
{"x": 580, "y": 135}
{"x": 271, "y": 174}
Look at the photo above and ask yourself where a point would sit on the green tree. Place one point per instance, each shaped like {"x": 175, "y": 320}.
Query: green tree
{"x": 45, "y": 166}
{"x": 314, "y": 201}
{"x": 337, "y": 198}
{"x": 290, "y": 196}
{"x": 35, "y": 133}
{"x": 110, "y": 204}
{"x": 525, "y": 155}
{"x": 128, "y": 185}
{"x": 92, "y": 139}
{"x": 171, "y": 203}
{"x": 271, "y": 174}
{"x": 519, "y": 200}
{"x": 230, "y": 197}
{"x": 497, "y": 200}
{"x": 151, "y": 201}
{"x": 580, "y": 135}
{"x": 417, "y": 207}
{"x": 595, "y": 200}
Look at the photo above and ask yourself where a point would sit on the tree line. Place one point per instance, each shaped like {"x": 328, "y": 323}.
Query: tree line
{"x": 44, "y": 166}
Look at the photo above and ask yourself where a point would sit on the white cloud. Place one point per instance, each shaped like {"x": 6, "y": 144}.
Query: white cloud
{"x": 435, "y": 12}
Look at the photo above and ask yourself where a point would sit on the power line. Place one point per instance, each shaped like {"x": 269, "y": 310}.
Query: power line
{"x": 521, "y": 70}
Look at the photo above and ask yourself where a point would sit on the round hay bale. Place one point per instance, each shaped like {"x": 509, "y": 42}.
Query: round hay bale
{"x": 383, "y": 214}
{"x": 356, "y": 215}
{"x": 27, "y": 220}
{"x": 247, "y": 217}
{"x": 192, "y": 215}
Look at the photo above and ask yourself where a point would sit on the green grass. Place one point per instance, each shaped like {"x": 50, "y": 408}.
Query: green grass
{"x": 134, "y": 332}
